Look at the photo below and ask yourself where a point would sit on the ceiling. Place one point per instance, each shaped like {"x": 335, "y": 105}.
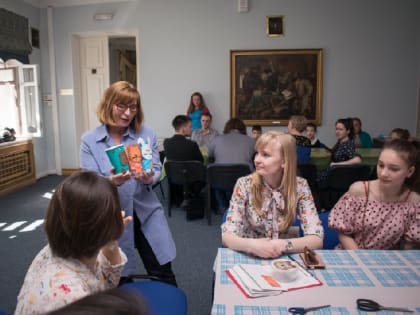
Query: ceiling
{"x": 69, "y": 3}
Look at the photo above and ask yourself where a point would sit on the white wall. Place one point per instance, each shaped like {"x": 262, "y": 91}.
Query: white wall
{"x": 371, "y": 56}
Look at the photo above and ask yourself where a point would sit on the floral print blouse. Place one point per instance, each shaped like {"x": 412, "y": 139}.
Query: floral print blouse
{"x": 244, "y": 221}
{"x": 53, "y": 282}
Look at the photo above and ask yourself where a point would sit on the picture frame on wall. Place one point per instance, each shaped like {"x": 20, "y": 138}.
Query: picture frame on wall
{"x": 269, "y": 86}
{"x": 274, "y": 25}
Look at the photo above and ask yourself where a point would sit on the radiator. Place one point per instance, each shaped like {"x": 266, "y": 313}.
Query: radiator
{"x": 17, "y": 166}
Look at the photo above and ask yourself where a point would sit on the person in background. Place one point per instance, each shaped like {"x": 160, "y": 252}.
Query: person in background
{"x": 196, "y": 108}
{"x": 116, "y": 301}
{"x": 311, "y": 130}
{"x": 233, "y": 147}
{"x": 256, "y": 132}
{"x": 265, "y": 204}
{"x": 121, "y": 118}
{"x": 361, "y": 138}
{"x": 178, "y": 147}
{"x": 83, "y": 223}
{"x": 344, "y": 151}
{"x": 399, "y": 133}
{"x": 383, "y": 213}
{"x": 206, "y": 134}
{"x": 296, "y": 127}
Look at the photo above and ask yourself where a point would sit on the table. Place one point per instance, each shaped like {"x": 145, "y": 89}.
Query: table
{"x": 391, "y": 278}
{"x": 321, "y": 157}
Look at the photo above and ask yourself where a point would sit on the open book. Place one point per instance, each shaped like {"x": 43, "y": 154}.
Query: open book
{"x": 257, "y": 281}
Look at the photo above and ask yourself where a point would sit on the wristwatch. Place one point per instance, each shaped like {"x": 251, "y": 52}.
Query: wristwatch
{"x": 289, "y": 246}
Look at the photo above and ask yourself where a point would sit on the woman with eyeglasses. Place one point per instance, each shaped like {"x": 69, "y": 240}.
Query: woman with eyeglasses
{"x": 121, "y": 118}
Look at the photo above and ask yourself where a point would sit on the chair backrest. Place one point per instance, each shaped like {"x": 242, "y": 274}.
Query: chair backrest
{"x": 309, "y": 172}
{"x": 184, "y": 172}
{"x": 340, "y": 177}
{"x": 161, "y": 297}
{"x": 226, "y": 175}
{"x": 330, "y": 236}
{"x": 303, "y": 154}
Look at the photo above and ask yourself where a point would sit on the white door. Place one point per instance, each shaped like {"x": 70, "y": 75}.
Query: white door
{"x": 94, "y": 70}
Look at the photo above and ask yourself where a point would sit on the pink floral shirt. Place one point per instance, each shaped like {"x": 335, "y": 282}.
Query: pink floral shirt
{"x": 244, "y": 221}
{"x": 379, "y": 224}
{"x": 53, "y": 282}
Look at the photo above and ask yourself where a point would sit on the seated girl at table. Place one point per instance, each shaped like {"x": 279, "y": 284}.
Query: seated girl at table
{"x": 196, "y": 108}
{"x": 378, "y": 214}
{"x": 344, "y": 151}
{"x": 265, "y": 203}
{"x": 83, "y": 223}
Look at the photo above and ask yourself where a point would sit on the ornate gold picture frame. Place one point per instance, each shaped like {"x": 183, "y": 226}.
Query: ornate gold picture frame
{"x": 269, "y": 86}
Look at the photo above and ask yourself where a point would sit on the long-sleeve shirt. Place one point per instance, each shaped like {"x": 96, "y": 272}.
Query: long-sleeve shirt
{"x": 53, "y": 282}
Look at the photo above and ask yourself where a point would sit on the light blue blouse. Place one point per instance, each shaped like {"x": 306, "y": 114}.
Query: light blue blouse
{"x": 134, "y": 196}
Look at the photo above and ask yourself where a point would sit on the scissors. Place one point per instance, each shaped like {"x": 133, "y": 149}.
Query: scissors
{"x": 372, "y": 306}
{"x": 303, "y": 311}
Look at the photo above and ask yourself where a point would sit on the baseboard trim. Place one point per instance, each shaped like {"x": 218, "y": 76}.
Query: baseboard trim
{"x": 45, "y": 173}
{"x": 69, "y": 171}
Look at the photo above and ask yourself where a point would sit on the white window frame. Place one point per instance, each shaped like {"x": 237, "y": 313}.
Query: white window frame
{"x": 23, "y": 86}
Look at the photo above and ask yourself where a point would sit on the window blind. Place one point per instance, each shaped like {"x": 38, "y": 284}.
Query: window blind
{"x": 14, "y": 33}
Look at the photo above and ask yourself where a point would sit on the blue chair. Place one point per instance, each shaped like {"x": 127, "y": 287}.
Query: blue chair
{"x": 330, "y": 236}
{"x": 303, "y": 154}
{"x": 162, "y": 298}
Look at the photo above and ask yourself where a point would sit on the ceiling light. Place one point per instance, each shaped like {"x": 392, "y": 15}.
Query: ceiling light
{"x": 103, "y": 16}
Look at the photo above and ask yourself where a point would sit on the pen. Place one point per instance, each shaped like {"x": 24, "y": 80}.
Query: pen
{"x": 304, "y": 270}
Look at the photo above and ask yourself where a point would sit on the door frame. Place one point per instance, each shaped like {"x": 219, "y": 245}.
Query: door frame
{"x": 80, "y": 108}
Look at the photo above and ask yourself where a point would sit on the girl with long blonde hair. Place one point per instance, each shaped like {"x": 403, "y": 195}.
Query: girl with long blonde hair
{"x": 265, "y": 204}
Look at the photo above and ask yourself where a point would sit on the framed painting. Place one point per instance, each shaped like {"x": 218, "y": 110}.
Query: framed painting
{"x": 269, "y": 86}
{"x": 274, "y": 26}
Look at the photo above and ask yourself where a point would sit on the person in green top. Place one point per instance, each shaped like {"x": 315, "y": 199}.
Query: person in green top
{"x": 361, "y": 138}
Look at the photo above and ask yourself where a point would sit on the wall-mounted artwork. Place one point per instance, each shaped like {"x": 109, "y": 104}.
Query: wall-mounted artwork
{"x": 274, "y": 26}
{"x": 269, "y": 86}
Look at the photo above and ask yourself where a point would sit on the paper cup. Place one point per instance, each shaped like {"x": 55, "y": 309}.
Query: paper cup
{"x": 118, "y": 158}
{"x": 284, "y": 270}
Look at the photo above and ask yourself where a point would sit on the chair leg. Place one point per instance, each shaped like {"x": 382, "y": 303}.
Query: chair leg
{"x": 161, "y": 190}
{"x": 208, "y": 208}
{"x": 169, "y": 199}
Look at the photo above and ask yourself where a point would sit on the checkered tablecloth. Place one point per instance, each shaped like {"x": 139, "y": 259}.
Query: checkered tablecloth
{"x": 389, "y": 277}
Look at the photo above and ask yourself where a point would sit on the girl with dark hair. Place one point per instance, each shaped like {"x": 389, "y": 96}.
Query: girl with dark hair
{"x": 344, "y": 151}
{"x": 196, "y": 108}
{"x": 381, "y": 213}
{"x": 83, "y": 223}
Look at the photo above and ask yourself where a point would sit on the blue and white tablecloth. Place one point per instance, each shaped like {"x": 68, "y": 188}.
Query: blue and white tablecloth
{"x": 391, "y": 278}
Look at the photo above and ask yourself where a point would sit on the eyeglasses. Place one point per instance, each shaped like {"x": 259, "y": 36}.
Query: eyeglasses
{"x": 123, "y": 107}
